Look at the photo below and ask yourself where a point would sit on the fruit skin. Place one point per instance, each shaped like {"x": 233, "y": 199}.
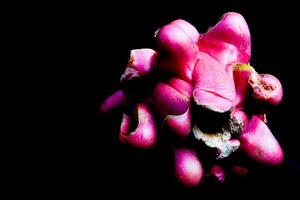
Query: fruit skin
{"x": 144, "y": 135}
{"x": 181, "y": 86}
{"x": 228, "y": 41}
{"x": 140, "y": 64}
{"x": 258, "y": 143}
{"x": 171, "y": 98}
{"x": 218, "y": 172}
{"x": 213, "y": 87}
{"x": 115, "y": 101}
{"x": 188, "y": 28}
{"x": 180, "y": 124}
{"x": 266, "y": 88}
{"x": 241, "y": 74}
{"x": 178, "y": 53}
{"x": 188, "y": 168}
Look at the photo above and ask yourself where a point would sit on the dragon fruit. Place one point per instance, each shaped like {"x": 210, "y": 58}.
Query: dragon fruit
{"x": 207, "y": 73}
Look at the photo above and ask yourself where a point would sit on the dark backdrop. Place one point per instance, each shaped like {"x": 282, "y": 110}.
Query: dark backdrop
{"x": 96, "y": 41}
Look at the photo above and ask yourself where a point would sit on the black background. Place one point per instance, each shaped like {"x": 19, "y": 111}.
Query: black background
{"x": 92, "y": 44}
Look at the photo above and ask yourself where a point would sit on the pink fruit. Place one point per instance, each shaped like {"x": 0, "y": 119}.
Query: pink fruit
{"x": 180, "y": 124}
{"x": 178, "y": 53}
{"x": 266, "y": 88}
{"x": 125, "y": 125}
{"x": 213, "y": 70}
{"x": 218, "y": 172}
{"x": 259, "y": 143}
{"x": 241, "y": 74}
{"x": 181, "y": 86}
{"x": 141, "y": 62}
{"x": 228, "y": 41}
{"x": 172, "y": 98}
{"x": 188, "y": 168}
{"x": 115, "y": 101}
{"x": 188, "y": 28}
{"x": 213, "y": 87}
{"x": 144, "y": 135}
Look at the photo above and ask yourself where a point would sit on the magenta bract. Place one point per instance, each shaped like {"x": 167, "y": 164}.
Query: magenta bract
{"x": 140, "y": 63}
{"x": 178, "y": 53}
{"x": 188, "y": 29}
{"x": 259, "y": 143}
{"x": 213, "y": 87}
{"x": 116, "y": 100}
{"x": 168, "y": 100}
{"x": 144, "y": 135}
{"x": 181, "y": 86}
{"x": 241, "y": 74}
{"x": 188, "y": 168}
{"x": 218, "y": 172}
{"x": 228, "y": 41}
{"x": 180, "y": 124}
